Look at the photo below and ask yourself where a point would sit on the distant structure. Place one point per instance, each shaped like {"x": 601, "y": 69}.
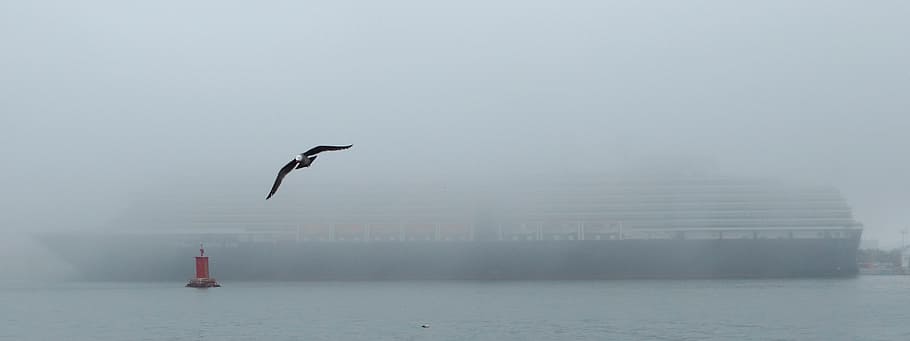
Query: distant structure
{"x": 202, "y": 279}
{"x": 905, "y": 260}
{"x": 868, "y": 244}
{"x": 564, "y": 226}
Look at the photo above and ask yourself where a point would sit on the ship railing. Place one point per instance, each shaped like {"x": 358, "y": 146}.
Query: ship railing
{"x": 616, "y": 230}
{"x": 380, "y": 232}
{"x": 507, "y": 232}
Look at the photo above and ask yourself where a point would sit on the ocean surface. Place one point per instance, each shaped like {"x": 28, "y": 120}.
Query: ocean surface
{"x": 863, "y": 308}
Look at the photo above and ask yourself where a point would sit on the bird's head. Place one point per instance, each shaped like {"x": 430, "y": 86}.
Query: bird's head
{"x": 299, "y": 157}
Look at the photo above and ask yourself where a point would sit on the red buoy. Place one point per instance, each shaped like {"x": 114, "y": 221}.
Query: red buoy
{"x": 202, "y": 279}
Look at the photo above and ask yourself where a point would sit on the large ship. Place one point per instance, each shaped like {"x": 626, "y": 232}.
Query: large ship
{"x": 578, "y": 228}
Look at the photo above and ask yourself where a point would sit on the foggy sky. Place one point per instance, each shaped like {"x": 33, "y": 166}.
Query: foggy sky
{"x": 102, "y": 102}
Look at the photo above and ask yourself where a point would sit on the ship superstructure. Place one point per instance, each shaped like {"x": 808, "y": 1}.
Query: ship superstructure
{"x": 579, "y": 227}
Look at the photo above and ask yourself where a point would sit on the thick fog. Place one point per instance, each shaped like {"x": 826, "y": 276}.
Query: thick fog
{"x": 103, "y": 103}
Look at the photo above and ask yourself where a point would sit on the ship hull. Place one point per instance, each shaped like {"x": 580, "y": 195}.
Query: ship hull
{"x": 135, "y": 259}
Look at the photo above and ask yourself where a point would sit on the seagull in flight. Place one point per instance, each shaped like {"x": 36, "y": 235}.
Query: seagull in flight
{"x": 304, "y": 159}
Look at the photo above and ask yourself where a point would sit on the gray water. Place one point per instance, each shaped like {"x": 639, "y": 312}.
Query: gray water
{"x": 864, "y": 308}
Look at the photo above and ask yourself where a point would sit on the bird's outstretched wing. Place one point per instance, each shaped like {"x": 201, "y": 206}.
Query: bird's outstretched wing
{"x": 320, "y": 149}
{"x": 281, "y": 173}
